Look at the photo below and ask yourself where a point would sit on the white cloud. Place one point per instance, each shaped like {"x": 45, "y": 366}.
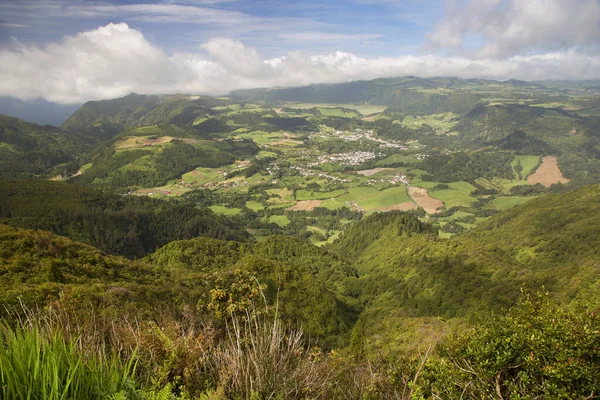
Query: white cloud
{"x": 114, "y": 60}
{"x": 327, "y": 37}
{"x": 11, "y": 25}
{"x": 513, "y": 27}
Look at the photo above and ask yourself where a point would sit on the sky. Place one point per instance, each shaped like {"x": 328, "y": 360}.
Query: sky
{"x": 66, "y": 52}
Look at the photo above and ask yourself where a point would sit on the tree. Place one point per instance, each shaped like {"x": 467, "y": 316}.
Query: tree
{"x": 537, "y": 350}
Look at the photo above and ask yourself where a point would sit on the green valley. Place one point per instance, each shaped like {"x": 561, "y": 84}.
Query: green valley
{"x": 399, "y": 238}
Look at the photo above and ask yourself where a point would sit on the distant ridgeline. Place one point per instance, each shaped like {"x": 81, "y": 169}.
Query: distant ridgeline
{"x": 147, "y": 141}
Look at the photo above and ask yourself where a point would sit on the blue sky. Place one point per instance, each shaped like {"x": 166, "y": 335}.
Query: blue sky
{"x": 367, "y": 28}
{"x": 71, "y": 51}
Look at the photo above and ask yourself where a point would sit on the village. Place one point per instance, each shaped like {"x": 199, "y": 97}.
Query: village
{"x": 365, "y": 134}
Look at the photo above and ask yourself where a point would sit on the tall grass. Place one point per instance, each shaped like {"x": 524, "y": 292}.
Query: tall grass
{"x": 262, "y": 359}
{"x": 36, "y": 363}
{"x": 58, "y": 354}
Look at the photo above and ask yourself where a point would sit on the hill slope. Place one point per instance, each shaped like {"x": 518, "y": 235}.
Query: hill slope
{"x": 407, "y": 272}
{"x": 29, "y": 150}
{"x": 105, "y": 119}
{"x": 125, "y": 225}
{"x": 213, "y": 276}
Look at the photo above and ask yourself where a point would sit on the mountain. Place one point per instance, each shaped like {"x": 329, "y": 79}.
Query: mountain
{"x": 410, "y": 94}
{"x": 308, "y": 293}
{"x": 30, "y": 150}
{"x": 389, "y": 284}
{"x": 105, "y": 119}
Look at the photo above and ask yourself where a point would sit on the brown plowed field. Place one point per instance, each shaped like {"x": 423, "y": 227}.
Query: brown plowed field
{"x": 548, "y": 173}
{"x": 421, "y": 197}
{"x": 305, "y": 205}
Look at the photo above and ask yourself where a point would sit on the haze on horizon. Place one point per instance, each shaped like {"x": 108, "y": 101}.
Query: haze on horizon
{"x": 68, "y": 52}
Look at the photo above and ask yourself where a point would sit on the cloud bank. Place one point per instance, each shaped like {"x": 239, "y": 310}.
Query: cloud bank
{"x": 114, "y": 60}
{"x": 509, "y": 27}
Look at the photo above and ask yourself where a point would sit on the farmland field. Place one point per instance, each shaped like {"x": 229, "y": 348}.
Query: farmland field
{"x": 309, "y": 162}
{"x": 280, "y": 220}
{"x": 529, "y": 163}
{"x": 456, "y": 196}
{"x": 548, "y": 173}
{"x": 224, "y": 210}
{"x": 311, "y": 195}
{"x": 423, "y": 200}
{"x": 363, "y": 109}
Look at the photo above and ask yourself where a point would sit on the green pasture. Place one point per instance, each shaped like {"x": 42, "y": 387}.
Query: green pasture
{"x": 312, "y": 195}
{"x": 265, "y": 154}
{"x": 333, "y": 204}
{"x": 199, "y": 120}
{"x": 284, "y": 194}
{"x": 7, "y": 146}
{"x": 203, "y": 175}
{"x": 319, "y": 231}
{"x": 529, "y": 163}
{"x": 396, "y": 159}
{"x": 280, "y": 220}
{"x": 219, "y": 209}
{"x": 440, "y": 123}
{"x": 254, "y": 205}
{"x": 333, "y": 235}
{"x": 262, "y": 137}
{"x": 457, "y": 215}
{"x": 561, "y": 104}
{"x": 371, "y": 199}
{"x": 337, "y": 112}
{"x": 363, "y": 109}
{"x": 415, "y": 179}
{"x": 85, "y": 167}
{"x": 158, "y": 130}
{"x": 144, "y": 163}
{"x": 456, "y": 196}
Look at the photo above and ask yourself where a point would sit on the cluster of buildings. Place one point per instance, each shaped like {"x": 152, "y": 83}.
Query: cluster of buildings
{"x": 353, "y": 158}
{"x": 394, "y": 180}
{"x": 360, "y": 134}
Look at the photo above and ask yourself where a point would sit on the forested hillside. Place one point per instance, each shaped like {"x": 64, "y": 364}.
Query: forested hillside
{"x": 105, "y": 119}
{"x": 405, "y": 285}
{"x": 127, "y": 226}
{"x": 407, "y": 271}
{"x": 30, "y": 150}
